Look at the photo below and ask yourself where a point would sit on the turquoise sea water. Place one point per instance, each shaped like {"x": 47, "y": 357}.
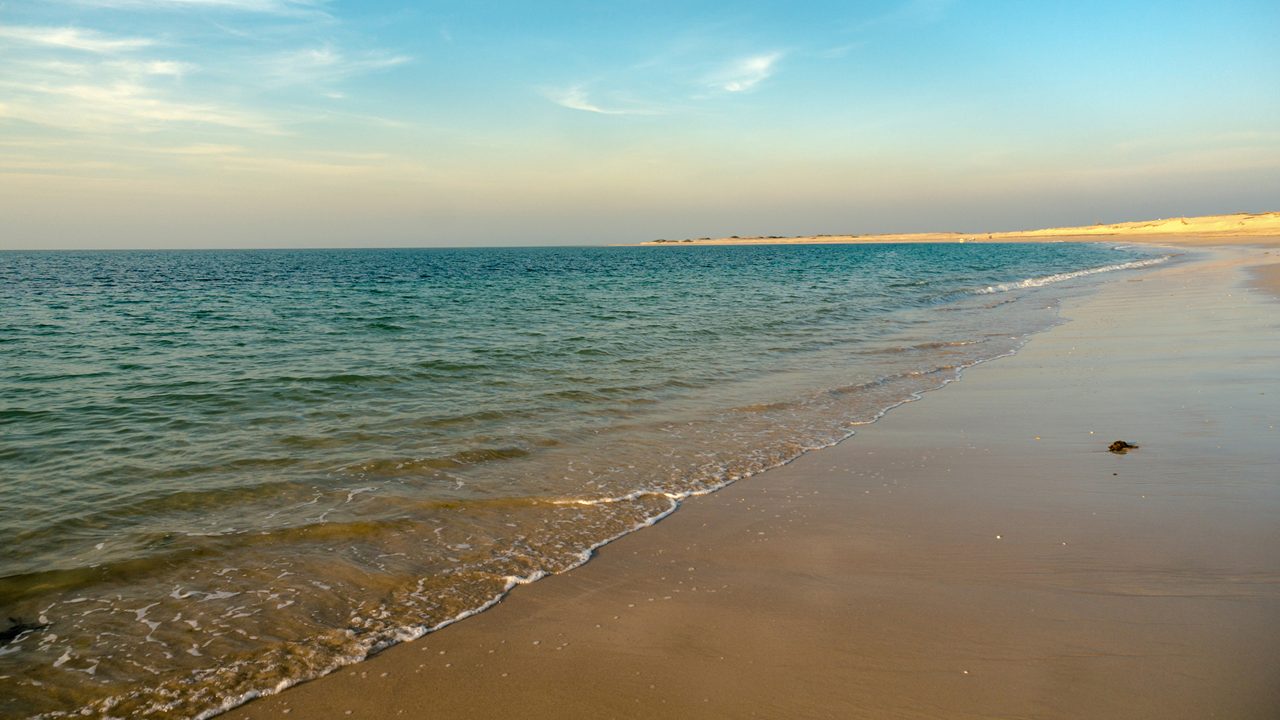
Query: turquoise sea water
{"x": 224, "y": 472}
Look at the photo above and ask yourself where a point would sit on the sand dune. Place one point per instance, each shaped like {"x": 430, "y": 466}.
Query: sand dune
{"x": 1183, "y": 229}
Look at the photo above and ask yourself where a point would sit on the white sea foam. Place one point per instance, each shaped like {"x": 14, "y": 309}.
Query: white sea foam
{"x": 1060, "y": 277}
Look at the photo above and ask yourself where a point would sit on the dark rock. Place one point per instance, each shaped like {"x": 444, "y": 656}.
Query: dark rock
{"x": 1121, "y": 447}
{"x": 16, "y": 628}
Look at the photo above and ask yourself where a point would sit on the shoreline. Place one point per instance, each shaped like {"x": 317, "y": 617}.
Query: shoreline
{"x": 546, "y": 649}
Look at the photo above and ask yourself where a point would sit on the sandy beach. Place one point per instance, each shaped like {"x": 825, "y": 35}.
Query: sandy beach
{"x": 976, "y": 554}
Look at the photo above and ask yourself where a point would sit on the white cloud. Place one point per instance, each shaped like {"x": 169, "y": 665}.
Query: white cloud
{"x": 840, "y": 51}
{"x": 166, "y": 67}
{"x": 575, "y": 98}
{"x": 169, "y": 68}
{"x": 118, "y": 105}
{"x": 325, "y": 64}
{"x": 277, "y": 7}
{"x": 376, "y": 120}
{"x": 73, "y": 38}
{"x": 55, "y": 67}
{"x": 113, "y": 68}
{"x": 745, "y": 74}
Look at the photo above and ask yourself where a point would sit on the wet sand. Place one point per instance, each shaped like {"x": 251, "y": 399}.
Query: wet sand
{"x": 1267, "y": 277}
{"x": 976, "y": 554}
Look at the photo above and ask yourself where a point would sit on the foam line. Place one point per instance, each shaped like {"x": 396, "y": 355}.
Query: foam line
{"x": 1061, "y": 277}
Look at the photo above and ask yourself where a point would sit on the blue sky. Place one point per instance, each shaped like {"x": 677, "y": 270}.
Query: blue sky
{"x": 206, "y": 123}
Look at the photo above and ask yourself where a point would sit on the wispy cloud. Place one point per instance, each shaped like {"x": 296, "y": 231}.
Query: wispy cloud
{"x": 119, "y": 68}
{"x": 84, "y": 107}
{"x": 327, "y": 114}
{"x": 745, "y": 74}
{"x": 326, "y": 64}
{"x": 839, "y": 51}
{"x": 668, "y": 82}
{"x": 73, "y": 38}
{"x": 167, "y": 68}
{"x": 276, "y": 7}
{"x": 575, "y": 98}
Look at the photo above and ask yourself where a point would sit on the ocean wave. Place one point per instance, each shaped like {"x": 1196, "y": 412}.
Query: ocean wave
{"x": 1061, "y": 277}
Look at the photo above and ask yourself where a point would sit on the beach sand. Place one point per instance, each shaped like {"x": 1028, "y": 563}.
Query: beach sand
{"x": 975, "y": 554}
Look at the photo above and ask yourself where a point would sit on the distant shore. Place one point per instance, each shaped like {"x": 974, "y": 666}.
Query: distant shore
{"x": 1186, "y": 230}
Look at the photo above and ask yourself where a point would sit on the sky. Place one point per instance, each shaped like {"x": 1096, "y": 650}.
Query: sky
{"x": 325, "y": 123}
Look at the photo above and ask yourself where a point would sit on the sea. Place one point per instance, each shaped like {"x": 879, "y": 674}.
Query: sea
{"x": 226, "y": 472}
